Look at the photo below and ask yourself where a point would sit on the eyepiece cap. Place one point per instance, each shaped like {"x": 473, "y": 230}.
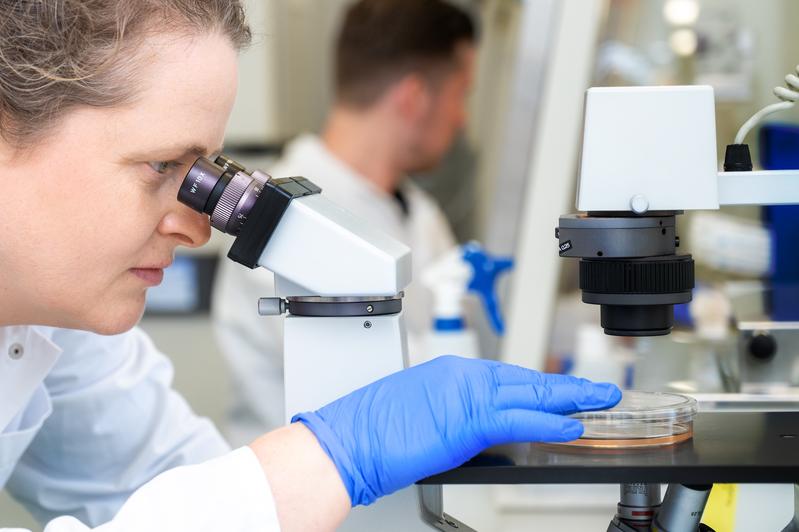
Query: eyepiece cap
{"x": 199, "y": 183}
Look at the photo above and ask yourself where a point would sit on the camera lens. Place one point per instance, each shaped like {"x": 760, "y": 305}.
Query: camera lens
{"x": 222, "y": 189}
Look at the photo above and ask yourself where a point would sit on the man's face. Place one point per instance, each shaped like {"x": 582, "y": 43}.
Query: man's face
{"x": 446, "y": 115}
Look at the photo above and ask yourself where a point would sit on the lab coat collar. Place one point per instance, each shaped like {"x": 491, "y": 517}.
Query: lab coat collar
{"x": 27, "y": 354}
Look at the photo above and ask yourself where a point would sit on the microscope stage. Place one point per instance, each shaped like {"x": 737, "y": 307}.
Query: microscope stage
{"x": 727, "y": 447}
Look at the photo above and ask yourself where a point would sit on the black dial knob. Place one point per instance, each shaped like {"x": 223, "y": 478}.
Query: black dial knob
{"x": 762, "y": 347}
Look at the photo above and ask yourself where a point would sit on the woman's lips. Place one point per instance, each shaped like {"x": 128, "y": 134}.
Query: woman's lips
{"x": 151, "y": 276}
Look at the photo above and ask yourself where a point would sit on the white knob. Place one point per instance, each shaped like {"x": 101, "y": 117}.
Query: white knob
{"x": 271, "y": 306}
{"x": 639, "y": 204}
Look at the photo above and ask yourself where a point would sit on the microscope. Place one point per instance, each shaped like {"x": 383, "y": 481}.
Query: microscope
{"x": 649, "y": 154}
{"x": 339, "y": 282}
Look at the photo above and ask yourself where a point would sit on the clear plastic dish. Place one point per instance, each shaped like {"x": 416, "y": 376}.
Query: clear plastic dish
{"x": 641, "y": 419}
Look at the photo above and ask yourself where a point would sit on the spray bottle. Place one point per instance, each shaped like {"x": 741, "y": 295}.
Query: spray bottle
{"x": 466, "y": 268}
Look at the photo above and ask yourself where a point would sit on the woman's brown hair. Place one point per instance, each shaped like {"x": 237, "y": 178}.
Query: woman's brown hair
{"x": 57, "y": 55}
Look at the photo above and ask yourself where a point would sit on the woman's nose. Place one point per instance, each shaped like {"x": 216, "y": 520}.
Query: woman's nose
{"x": 189, "y": 227}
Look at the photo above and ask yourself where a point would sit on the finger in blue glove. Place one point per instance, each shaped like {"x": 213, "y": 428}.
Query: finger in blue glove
{"x": 436, "y": 416}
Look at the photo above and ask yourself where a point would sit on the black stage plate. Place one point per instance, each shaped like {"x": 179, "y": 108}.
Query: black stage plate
{"x": 740, "y": 447}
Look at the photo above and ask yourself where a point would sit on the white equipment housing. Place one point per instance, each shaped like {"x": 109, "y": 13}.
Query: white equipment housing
{"x": 649, "y": 149}
{"x": 653, "y": 149}
{"x": 320, "y": 249}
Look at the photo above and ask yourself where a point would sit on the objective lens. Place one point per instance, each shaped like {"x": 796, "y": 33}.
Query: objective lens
{"x": 223, "y": 189}
{"x": 630, "y": 267}
{"x": 637, "y": 295}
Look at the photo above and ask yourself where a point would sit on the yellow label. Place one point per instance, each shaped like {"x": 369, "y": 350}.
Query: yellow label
{"x": 720, "y": 510}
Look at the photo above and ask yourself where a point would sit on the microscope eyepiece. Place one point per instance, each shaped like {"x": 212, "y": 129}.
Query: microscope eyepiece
{"x": 222, "y": 189}
{"x": 199, "y": 183}
{"x": 231, "y": 195}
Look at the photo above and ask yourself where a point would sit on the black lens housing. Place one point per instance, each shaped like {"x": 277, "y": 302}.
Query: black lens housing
{"x": 637, "y": 320}
{"x": 637, "y": 295}
{"x": 629, "y": 267}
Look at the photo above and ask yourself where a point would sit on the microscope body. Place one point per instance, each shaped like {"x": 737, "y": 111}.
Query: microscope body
{"x": 340, "y": 284}
{"x": 649, "y": 154}
{"x": 648, "y": 150}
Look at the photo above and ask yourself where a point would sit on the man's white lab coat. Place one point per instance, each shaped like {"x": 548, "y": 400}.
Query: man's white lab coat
{"x": 88, "y": 422}
{"x": 253, "y": 345}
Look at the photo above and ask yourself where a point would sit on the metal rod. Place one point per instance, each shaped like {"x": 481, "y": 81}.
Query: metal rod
{"x": 682, "y": 507}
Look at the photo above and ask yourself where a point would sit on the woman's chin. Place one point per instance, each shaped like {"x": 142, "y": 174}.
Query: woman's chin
{"x": 116, "y": 321}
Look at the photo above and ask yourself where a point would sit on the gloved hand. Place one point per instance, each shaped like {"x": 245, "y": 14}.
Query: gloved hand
{"x": 435, "y": 416}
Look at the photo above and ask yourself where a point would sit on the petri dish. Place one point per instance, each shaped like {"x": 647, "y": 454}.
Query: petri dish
{"x": 641, "y": 419}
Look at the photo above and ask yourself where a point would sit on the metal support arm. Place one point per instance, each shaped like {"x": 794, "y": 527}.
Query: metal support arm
{"x": 431, "y": 499}
{"x": 760, "y": 187}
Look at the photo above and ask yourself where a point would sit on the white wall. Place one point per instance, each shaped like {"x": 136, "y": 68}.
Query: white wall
{"x": 284, "y": 82}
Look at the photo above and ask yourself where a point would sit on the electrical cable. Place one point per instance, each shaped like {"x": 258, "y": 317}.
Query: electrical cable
{"x": 789, "y": 96}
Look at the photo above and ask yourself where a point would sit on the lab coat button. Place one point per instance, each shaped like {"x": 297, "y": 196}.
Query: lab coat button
{"x": 16, "y": 351}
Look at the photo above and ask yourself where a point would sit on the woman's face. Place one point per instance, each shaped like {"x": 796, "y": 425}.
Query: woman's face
{"x": 89, "y": 217}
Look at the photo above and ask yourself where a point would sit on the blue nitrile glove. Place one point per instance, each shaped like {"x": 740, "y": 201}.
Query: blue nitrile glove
{"x": 435, "y": 416}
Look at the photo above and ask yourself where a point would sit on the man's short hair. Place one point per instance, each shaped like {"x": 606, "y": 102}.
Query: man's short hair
{"x": 381, "y": 41}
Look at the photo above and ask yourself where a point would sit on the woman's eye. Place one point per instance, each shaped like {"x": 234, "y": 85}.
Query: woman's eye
{"x": 163, "y": 167}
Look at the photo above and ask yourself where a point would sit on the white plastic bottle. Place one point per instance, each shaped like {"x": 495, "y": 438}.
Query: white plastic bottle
{"x": 465, "y": 269}
{"x": 449, "y": 334}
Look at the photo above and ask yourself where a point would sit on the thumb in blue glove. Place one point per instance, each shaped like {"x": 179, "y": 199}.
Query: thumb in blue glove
{"x": 436, "y": 416}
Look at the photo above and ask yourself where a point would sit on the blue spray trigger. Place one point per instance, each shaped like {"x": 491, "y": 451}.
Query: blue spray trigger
{"x": 486, "y": 269}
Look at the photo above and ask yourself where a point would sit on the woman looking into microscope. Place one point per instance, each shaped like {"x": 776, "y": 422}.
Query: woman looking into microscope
{"x": 104, "y": 104}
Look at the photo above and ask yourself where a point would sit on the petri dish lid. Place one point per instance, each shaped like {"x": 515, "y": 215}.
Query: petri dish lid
{"x": 640, "y": 419}
{"x": 636, "y": 406}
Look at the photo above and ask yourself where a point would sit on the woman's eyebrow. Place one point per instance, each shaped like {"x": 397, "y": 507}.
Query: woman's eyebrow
{"x": 173, "y": 152}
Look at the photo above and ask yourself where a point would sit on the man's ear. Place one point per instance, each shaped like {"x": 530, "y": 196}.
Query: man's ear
{"x": 411, "y": 97}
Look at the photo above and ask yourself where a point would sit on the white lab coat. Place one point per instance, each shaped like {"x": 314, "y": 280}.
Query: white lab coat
{"x": 88, "y": 422}
{"x": 253, "y": 345}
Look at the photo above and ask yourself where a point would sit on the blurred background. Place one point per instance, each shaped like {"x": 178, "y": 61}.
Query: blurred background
{"x": 507, "y": 179}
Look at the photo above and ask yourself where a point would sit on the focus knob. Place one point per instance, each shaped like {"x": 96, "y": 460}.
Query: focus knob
{"x": 762, "y": 347}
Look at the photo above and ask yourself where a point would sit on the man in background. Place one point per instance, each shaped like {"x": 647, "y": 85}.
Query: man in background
{"x": 403, "y": 69}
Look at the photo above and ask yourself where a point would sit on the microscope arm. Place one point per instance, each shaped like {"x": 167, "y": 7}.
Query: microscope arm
{"x": 320, "y": 249}
{"x": 759, "y": 187}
